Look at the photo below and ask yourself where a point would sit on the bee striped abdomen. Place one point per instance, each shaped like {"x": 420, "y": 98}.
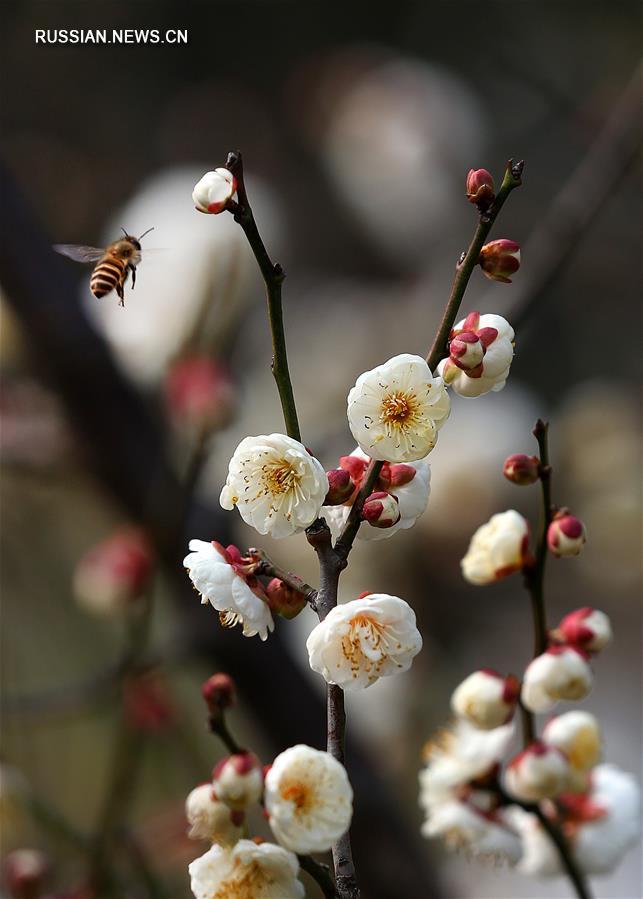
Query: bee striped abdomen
{"x": 110, "y": 273}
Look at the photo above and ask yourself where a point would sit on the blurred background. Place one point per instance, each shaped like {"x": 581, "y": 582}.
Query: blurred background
{"x": 358, "y": 126}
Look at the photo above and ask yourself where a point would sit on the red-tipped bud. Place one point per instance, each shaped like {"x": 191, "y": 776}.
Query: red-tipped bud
{"x": 402, "y": 474}
{"x": 499, "y": 259}
{"x": 340, "y": 487}
{"x": 466, "y": 350}
{"x": 219, "y": 694}
{"x": 25, "y": 872}
{"x": 114, "y": 573}
{"x": 480, "y": 187}
{"x": 587, "y": 627}
{"x": 214, "y": 191}
{"x": 354, "y": 466}
{"x": 238, "y": 780}
{"x": 538, "y": 772}
{"x": 566, "y": 535}
{"x": 521, "y": 469}
{"x": 284, "y": 600}
{"x": 381, "y": 510}
{"x": 199, "y": 393}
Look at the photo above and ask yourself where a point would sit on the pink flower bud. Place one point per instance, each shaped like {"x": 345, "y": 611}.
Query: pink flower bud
{"x": 486, "y": 699}
{"x": 354, "y": 466}
{"x": 402, "y": 474}
{"x": 284, "y": 600}
{"x": 114, "y": 573}
{"x": 340, "y": 487}
{"x": 199, "y": 393}
{"x": 219, "y": 694}
{"x": 466, "y": 350}
{"x": 238, "y": 780}
{"x": 521, "y": 469}
{"x": 566, "y": 535}
{"x": 381, "y": 510}
{"x": 499, "y": 259}
{"x": 25, "y": 872}
{"x": 480, "y": 187}
{"x": 214, "y": 191}
{"x": 539, "y": 772}
{"x": 587, "y": 627}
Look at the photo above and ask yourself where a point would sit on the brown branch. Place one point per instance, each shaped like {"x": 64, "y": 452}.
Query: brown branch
{"x": 265, "y": 566}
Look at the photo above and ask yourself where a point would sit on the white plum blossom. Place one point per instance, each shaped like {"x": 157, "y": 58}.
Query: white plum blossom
{"x": 578, "y": 735}
{"x": 588, "y": 628}
{"x": 277, "y": 486}
{"x": 238, "y": 780}
{"x": 538, "y": 772}
{"x": 214, "y": 191}
{"x": 213, "y": 573}
{"x": 210, "y": 819}
{"x": 479, "y": 831}
{"x": 481, "y": 351}
{"x": 562, "y": 672}
{"x": 412, "y": 497}
{"x": 308, "y": 798}
{"x": 396, "y": 409}
{"x": 486, "y": 699}
{"x": 600, "y": 825}
{"x": 497, "y": 549}
{"x": 246, "y": 871}
{"x": 365, "y": 639}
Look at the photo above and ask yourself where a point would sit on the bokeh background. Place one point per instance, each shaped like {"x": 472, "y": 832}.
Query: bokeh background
{"x": 358, "y": 125}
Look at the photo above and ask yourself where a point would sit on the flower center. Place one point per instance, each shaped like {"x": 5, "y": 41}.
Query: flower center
{"x": 299, "y": 794}
{"x": 279, "y": 477}
{"x": 398, "y": 409}
{"x": 229, "y": 618}
{"x": 245, "y": 882}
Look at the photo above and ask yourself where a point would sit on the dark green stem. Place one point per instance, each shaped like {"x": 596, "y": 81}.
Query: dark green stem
{"x": 273, "y": 275}
{"x": 469, "y": 260}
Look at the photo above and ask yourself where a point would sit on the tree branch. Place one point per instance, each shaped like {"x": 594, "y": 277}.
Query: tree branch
{"x": 265, "y": 566}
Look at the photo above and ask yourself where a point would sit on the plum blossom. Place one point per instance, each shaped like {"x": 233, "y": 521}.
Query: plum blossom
{"x": 499, "y": 259}
{"x": 114, "y": 573}
{"x": 409, "y": 483}
{"x": 246, "y": 871}
{"x": 365, "y": 639}
{"x": 396, "y": 409}
{"x": 214, "y": 191}
{"x": 238, "y": 780}
{"x": 210, "y": 819}
{"x": 308, "y": 798}
{"x": 218, "y": 575}
{"x": 480, "y": 353}
{"x": 486, "y": 699}
{"x": 562, "y": 672}
{"x": 588, "y": 628}
{"x": 566, "y": 535}
{"x": 497, "y": 549}
{"x": 578, "y": 735}
{"x": 277, "y": 486}
{"x": 538, "y": 772}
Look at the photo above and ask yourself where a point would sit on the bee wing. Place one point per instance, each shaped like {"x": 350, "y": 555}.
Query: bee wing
{"x": 79, "y": 253}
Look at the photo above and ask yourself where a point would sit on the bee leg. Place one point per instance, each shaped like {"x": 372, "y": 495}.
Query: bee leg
{"x": 132, "y": 268}
{"x": 121, "y": 295}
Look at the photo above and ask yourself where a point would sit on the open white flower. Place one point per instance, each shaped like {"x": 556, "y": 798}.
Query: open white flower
{"x": 478, "y": 831}
{"x": 210, "y": 819}
{"x": 247, "y": 871}
{"x": 481, "y": 351}
{"x": 562, "y": 672}
{"x": 308, "y": 798}
{"x": 497, "y": 549}
{"x": 213, "y": 573}
{"x": 396, "y": 409}
{"x": 277, "y": 486}
{"x": 600, "y": 826}
{"x": 412, "y": 496}
{"x": 365, "y": 639}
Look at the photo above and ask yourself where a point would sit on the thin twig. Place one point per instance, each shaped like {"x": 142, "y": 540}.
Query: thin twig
{"x": 273, "y": 275}
{"x": 469, "y": 260}
{"x": 265, "y": 566}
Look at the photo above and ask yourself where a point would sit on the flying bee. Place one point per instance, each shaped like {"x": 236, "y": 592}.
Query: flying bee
{"x": 113, "y": 264}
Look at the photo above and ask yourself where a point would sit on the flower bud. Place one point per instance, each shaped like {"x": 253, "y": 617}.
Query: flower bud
{"x": 25, "y": 872}
{"x": 214, "y": 191}
{"x": 539, "y": 772}
{"x": 114, "y": 573}
{"x": 340, "y": 487}
{"x": 238, "y": 780}
{"x": 480, "y": 187}
{"x": 401, "y": 474}
{"x": 499, "y": 259}
{"x": 587, "y": 627}
{"x": 486, "y": 699}
{"x": 562, "y": 672}
{"x": 497, "y": 549}
{"x": 381, "y": 510}
{"x": 355, "y": 466}
{"x": 466, "y": 351}
{"x": 521, "y": 469}
{"x": 566, "y": 535}
{"x": 285, "y": 600}
{"x": 578, "y": 735}
{"x": 199, "y": 393}
{"x": 210, "y": 819}
{"x": 219, "y": 694}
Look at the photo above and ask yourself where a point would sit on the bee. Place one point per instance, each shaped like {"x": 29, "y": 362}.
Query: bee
{"x": 113, "y": 264}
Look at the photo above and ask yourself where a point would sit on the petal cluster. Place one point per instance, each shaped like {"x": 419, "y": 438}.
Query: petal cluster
{"x": 365, "y": 639}
{"x": 214, "y": 576}
{"x": 562, "y": 672}
{"x": 486, "y": 699}
{"x": 210, "y": 819}
{"x": 481, "y": 350}
{"x": 497, "y": 549}
{"x": 246, "y": 871}
{"x": 309, "y": 799}
{"x": 396, "y": 409}
{"x": 276, "y": 485}
{"x": 214, "y": 191}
